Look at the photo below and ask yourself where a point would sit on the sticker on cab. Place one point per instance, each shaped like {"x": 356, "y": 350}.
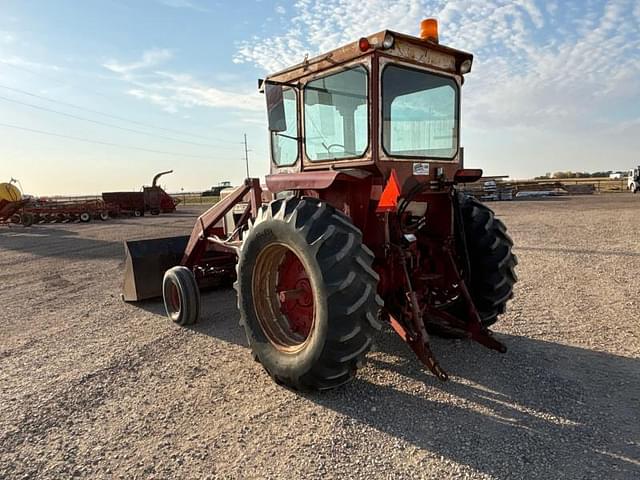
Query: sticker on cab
{"x": 421, "y": 169}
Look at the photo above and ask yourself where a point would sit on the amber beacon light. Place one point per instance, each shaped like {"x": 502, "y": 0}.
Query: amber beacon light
{"x": 429, "y": 30}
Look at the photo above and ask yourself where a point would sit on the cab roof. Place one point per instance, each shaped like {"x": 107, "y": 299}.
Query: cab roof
{"x": 405, "y": 47}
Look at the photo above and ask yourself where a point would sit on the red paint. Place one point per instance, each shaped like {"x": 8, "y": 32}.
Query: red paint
{"x": 295, "y": 294}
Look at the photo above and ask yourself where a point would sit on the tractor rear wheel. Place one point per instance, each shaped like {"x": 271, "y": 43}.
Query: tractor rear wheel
{"x": 181, "y": 295}
{"x": 491, "y": 261}
{"x": 307, "y": 294}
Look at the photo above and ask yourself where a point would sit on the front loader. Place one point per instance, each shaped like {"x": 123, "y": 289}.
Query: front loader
{"x": 360, "y": 223}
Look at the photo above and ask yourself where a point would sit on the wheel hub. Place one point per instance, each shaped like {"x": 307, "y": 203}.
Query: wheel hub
{"x": 283, "y": 298}
{"x": 295, "y": 295}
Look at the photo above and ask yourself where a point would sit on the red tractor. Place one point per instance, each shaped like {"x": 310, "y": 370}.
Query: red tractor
{"x": 361, "y": 224}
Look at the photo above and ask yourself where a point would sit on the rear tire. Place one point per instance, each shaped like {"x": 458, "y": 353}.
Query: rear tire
{"x": 492, "y": 262}
{"x": 181, "y": 296}
{"x": 138, "y": 213}
{"x": 85, "y": 217}
{"x": 318, "y": 340}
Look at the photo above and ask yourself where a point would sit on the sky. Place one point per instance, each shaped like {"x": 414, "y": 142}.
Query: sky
{"x": 99, "y": 95}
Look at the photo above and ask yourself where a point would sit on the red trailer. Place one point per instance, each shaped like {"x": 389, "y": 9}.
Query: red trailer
{"x": 131, "y": 203}
{"x": 151, "y": 199}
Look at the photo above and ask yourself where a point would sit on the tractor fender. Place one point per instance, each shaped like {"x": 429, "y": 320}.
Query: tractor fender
{"x": 319, "y": 180}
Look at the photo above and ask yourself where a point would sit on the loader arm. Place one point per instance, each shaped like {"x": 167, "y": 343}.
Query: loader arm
{"x": 203, "y": 229}
{"x": 147, "y": 260}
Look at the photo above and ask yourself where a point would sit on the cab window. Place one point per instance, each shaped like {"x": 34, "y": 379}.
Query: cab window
{"x": 419, "y": 113}
{"x": 336, "y": 115}
{"x": 284, "y": 145}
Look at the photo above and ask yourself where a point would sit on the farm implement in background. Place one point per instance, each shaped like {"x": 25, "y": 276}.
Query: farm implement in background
{"x": 58, "y": 210}
{"x": 360, "y": 222}
{"x": 153, "y": 200}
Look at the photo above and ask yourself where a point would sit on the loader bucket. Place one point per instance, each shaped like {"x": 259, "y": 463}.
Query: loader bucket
{"x": 145, "y": 264}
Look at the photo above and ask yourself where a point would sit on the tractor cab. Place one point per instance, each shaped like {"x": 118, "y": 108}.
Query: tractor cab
{"x": 387, "y": 101}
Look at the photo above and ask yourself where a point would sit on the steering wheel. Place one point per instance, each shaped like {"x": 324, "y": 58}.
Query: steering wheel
{"x": 333, "y": 145}
{"x": 329, "y": 147}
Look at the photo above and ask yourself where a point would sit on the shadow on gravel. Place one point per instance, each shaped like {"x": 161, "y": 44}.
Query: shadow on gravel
{"x": 543, "y": 410}
{"x": 219, "y": 317}
{"x": 57, "y": 242}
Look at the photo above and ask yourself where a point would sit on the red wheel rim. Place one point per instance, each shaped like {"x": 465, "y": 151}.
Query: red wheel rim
{"x": 295, "y": 295}
{"x": 283, "y": 298}
{"x": 173, "y": 300}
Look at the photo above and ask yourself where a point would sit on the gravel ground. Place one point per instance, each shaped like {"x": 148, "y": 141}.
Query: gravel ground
{"x": 93, "y": 387}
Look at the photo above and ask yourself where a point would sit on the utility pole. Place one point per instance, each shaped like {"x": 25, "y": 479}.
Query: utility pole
{"x": 246, "y": 154}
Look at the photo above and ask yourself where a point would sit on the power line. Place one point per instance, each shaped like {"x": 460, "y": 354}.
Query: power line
{"x": 98, "y": 142}
{"x": 115, "y": 117}
{"x": 55, "y": 79}
{"x": 98, "y": 122}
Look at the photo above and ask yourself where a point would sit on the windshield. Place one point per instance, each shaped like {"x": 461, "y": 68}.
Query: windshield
{"x": 419, "y": 113}
{"x": 336, "y": 118}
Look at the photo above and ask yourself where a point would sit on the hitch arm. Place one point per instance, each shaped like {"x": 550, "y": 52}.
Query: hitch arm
{"x": 418, "y": 339}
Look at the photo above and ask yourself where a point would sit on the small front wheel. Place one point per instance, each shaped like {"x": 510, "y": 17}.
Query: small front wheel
{"x": 181, "y": 296}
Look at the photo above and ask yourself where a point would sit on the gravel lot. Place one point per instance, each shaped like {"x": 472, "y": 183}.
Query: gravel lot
{"x": 93, "y": 387}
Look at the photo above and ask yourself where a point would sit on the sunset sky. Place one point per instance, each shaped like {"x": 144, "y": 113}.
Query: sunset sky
{"x": 101, "y": 94}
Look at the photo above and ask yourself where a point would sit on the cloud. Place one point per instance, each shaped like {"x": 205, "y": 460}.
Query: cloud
{"x": 23, "y": 63}
{"x": 173, "y": 92}
{"x": 150, "y": 58}
{"x": 7, "y": 37}
{"x": 563, "y": 65}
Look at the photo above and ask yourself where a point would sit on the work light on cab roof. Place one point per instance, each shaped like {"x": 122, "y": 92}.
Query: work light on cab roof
{"x": 361, "y": 222}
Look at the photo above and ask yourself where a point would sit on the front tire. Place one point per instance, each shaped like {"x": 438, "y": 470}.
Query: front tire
{"x": 307, "y": 294}
{"x": 491, "y": 261}
{"x": 181, "y": 296}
